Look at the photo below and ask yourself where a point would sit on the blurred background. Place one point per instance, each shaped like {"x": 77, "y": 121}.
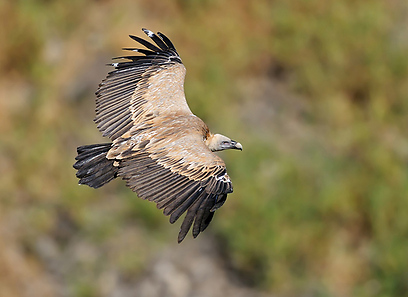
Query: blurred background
{"x": 317, "y": 93}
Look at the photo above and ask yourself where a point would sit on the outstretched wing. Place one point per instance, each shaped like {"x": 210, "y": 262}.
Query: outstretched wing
{"x": 170, "y": 165}
{"x": 141, "y": 88}
{"x": 158, "y": 144}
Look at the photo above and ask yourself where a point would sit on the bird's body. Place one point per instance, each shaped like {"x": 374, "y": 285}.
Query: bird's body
{"x": 159, "y": 147}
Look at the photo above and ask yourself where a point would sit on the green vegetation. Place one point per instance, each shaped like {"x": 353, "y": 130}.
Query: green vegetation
{"x": 321, "y": 189}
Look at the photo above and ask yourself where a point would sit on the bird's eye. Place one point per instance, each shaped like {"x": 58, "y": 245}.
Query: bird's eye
{"x": 224, "y": 142}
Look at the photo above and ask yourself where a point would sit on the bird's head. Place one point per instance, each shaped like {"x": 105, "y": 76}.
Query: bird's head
{"x": 218, "y": 142}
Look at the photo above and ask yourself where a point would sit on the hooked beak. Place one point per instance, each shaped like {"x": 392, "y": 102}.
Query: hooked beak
{"x": 236, "y": 145}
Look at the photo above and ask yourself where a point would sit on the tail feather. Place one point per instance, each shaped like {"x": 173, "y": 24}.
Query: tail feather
{"x": 93, "y": 168}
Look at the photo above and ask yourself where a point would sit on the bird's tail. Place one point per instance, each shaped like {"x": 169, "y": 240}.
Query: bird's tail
{"x": 94, "y": 169}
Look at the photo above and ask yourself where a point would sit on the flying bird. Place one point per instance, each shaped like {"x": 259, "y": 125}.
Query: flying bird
{"x": 161, "y": 149}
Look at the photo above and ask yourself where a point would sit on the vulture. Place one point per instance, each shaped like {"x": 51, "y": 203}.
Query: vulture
{"x": 161, "y": 149}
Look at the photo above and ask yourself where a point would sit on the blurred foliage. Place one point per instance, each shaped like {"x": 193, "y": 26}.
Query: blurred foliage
{"x": 320, "y": 199}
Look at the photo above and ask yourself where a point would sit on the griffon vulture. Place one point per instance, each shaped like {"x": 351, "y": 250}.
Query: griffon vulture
{"x": 159, "y": 147}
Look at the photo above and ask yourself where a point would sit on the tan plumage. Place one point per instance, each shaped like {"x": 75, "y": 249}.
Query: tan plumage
{"x": 159, "y": 147}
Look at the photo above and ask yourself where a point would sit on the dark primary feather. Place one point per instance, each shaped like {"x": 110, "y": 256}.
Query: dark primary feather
{"x": 156, "y": 39}
{"x": 189, "y": 218}
{"x": 145, "y": 43}
{"x": 167, "y": 41}
{"x": 202, "y": 214}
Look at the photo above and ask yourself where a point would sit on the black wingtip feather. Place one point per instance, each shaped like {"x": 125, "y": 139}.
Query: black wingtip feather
{"x": 167, "y": 41}
{"x": 156, "y": 39}
{"x": 219, "y": 202}
{"x": 207, "y": 221}
{"x": 145, "y": 43}
{"x": 189, "y": 218}
{"x": 202, "y": 213}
